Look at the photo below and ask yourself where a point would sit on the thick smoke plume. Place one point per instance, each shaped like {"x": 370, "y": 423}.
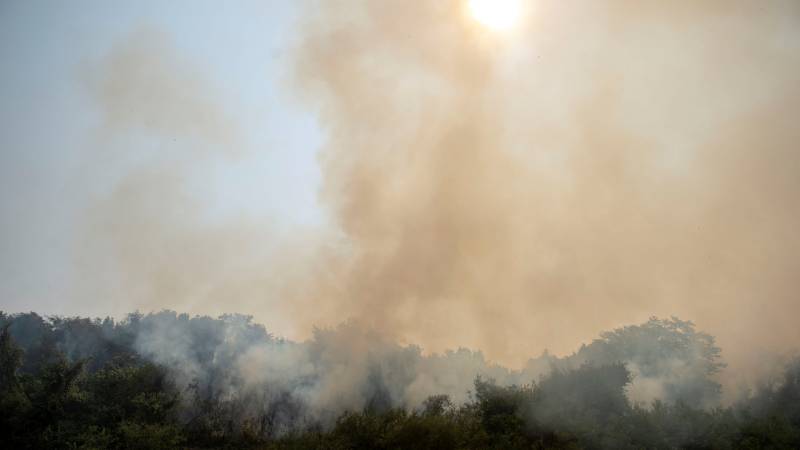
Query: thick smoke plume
{"x": 604, "y": 163}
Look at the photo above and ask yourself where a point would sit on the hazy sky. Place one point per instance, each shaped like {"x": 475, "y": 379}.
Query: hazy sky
{"x": 48, "y": 119}
{"x": 399, "y": 164}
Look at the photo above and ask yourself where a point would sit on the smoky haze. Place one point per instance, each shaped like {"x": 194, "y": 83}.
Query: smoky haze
{"x": 510, "y": 192}
{"x": 602, "y": 164}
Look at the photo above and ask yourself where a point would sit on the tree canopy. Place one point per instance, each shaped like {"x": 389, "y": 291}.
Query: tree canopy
{"x": 168, "y": 380}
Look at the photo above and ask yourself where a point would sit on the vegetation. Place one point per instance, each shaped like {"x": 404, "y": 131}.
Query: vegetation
{"x": 80, "y": 383}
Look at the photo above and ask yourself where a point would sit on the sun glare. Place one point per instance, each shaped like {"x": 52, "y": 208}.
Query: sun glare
{"x": 496, "y": 14}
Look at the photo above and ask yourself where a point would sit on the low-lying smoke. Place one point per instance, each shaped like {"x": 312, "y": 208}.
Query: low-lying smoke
{"x": 232, "y": 366}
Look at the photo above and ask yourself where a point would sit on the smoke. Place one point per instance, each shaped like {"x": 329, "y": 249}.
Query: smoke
{"x": 233, "y": 361}
{"x": 605, "y": 163}
{"x": 232, "y": 374}
{"x": 600, "y": 165}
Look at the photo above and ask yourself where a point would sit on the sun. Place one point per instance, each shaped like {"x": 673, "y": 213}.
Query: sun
{"x": 497, "y": 15}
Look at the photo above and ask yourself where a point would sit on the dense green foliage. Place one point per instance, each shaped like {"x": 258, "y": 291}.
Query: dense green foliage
{"x": 79, "y": 383}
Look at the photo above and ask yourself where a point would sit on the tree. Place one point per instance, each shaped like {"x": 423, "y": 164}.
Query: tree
{"x": 667, "y": 352}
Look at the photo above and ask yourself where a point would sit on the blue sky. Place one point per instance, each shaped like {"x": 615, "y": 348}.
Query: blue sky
{"x": 48, "y": 119}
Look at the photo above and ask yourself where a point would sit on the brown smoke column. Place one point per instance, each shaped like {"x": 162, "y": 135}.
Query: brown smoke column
{"x": 608, "y": 162}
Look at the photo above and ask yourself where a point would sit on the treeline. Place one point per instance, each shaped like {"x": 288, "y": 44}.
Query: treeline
{"x": 173, "y": 381}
